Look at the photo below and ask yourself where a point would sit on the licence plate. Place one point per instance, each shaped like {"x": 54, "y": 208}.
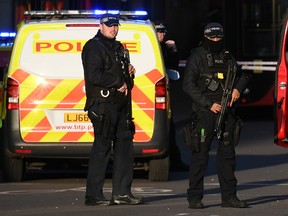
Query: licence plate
{"x": 76, "y": 117}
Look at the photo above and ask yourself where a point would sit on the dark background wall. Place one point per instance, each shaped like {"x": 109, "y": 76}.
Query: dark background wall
{"x": 252, "y": 27}
{"x": 185, "y": 19}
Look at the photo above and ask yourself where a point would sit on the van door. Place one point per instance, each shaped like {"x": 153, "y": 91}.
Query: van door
{"x": 280, "y": 101}
{"x": 48, "y": 70}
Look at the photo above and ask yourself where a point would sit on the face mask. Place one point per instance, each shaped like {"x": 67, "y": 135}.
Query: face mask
{"x": 213, "y": 46}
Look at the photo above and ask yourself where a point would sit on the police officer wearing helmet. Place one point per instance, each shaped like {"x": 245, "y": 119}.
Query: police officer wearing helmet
{"x": 107, "y": 74}
{"x": 203, "y": 81}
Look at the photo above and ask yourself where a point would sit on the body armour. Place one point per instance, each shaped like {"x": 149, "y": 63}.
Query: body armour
{"x": 213, "y": 77}
{"x": 112, "y": 55}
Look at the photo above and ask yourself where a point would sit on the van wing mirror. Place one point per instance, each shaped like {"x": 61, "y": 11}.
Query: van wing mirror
{"x": 173, "y": 74}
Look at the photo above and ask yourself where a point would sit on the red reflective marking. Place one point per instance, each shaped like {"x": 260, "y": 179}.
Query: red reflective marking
{"x": 141, "y": 135}
{"x": 23, "y": 113}
{"x": 145, "y": 151}
{"x": 142, "y": 101}
{"x": 39, "y": 94}
{"x": 73, "y": 97}
{"x": 20, "y": 75}
{"x": 35, "y": 135}
{"x": 72, "y": 136}
{"x": 43, "y": 125}
{"x": 23, "y": 151}
{"x": 154, "y": 75}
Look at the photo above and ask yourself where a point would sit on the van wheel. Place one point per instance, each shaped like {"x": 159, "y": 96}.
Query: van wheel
{"x": 13, "y": 168}
{"x": 159, "y": 169}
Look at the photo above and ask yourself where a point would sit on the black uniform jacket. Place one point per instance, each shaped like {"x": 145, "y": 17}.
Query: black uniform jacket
{"x": 197, "y": 64}
{"x": 171, "y": 58}
{"x": 102, "y": 70}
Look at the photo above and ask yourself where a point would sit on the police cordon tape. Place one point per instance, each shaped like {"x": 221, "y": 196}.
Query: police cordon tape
{"x": 249, "y": 65}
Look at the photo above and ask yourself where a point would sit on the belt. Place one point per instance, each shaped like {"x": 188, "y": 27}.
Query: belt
{"x": 107, "y": 92}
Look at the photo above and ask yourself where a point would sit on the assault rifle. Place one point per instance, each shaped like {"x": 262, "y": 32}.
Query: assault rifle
{"x": 226, "y": 96}
{"x": 129, "y": 79}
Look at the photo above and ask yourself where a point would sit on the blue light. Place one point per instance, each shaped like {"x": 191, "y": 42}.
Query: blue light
{"x": 7, "y": 34}
{"x": 141, "y": 13}
{"x": 101, "y": 12}
{"x": 113, "y": 11}
{"x": 6, "y": 44}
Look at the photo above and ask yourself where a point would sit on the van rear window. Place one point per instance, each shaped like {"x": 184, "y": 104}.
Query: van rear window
{"x": 57, "y": 53}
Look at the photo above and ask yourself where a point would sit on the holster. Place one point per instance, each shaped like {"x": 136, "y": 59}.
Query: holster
{"x": 130, "y": 125}
{"x": 191, "y": 137}
{"x": 237, "y": 131}
{"x": 101, "y": 123}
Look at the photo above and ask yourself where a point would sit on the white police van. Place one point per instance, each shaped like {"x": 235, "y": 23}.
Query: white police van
{"x": 43, "y": 95}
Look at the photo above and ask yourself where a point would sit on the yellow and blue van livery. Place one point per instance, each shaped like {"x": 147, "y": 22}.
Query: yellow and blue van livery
{"x": 44, "y": 93}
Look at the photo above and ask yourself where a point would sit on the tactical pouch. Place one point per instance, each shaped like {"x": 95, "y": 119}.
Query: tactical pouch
{"x": 191, "y": 137}
{"x": 213, "y": 85}
{"x": 211, "y": 81}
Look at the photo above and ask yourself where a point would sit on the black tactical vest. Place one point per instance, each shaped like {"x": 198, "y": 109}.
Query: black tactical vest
{"x": 212, "y": 79}
{"x": 113, "y": 58}
{"x": 113, "y": 63}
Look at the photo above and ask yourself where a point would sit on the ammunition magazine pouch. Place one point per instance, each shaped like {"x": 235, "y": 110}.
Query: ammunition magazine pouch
{"x": 211, "y": 82}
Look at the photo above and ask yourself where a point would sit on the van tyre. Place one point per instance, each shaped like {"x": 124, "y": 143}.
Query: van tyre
{"x": 159, "y": 169}
{"x": 13, "y": 168}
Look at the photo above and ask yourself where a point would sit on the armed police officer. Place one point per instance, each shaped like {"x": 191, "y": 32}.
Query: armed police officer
{"x": 108, "y": 82}
{"x": 205, "y": 74}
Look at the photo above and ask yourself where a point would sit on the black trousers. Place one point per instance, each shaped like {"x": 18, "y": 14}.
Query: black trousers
{"x": 100, "y": 154}
{"x": 225, "y": 159}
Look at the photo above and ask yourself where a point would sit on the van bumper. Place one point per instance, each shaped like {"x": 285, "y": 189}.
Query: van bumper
{"x": 12, "y": 141}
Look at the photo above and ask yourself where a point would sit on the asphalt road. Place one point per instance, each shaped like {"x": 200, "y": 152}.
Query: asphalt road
{"x": 261, "y": 172}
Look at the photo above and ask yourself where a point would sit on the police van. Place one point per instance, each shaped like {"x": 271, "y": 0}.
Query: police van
{"x": 44, "y": 92}
{"x": 281, "y": 91}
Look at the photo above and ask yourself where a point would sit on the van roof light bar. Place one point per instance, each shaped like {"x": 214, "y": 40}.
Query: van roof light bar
{"x": 7, "y": 34}
{"x": 61, "y": 14}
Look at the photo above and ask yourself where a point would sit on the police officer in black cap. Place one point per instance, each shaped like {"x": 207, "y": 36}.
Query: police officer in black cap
{"x": 168, "y": 47}
{"x": 107, "y": 89}
{"x": 203, "y": 81}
